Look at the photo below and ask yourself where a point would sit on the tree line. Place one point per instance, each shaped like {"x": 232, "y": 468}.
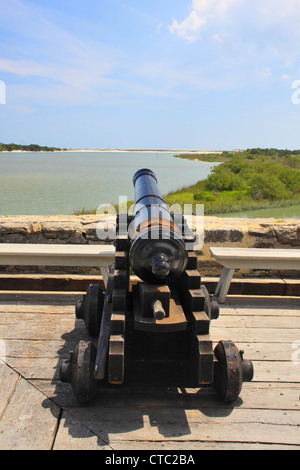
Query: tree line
{"x": 27, "y": 148}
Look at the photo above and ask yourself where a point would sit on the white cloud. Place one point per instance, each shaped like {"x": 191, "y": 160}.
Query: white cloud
{"x": 203, "y": 13}
{"x": 67, "y": 73}
{"x": 59, "y": 65}
{"x": 189, "y": 28}
{"x": 158, "y": 27}
{"x": 242, "y": 36}
{"x": 265, "y": 72}
{"x": 237, "y": 14}
{"x": 217, "y": 38}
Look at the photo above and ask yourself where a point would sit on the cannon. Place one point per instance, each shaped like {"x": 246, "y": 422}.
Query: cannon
{"x": 152, "y": 329}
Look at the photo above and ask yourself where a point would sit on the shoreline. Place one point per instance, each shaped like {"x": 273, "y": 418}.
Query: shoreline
{"x": 146, "y": 151}
{"x": 190, "y": 152}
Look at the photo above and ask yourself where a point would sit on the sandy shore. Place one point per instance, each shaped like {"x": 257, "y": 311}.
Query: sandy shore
{"x": 116, "y": 151}
{"x": 145, "y": 151}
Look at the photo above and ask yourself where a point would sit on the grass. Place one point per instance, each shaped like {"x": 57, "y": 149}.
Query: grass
{"x": 228, "y": 203}
{"x": 205, "y": 157}
{"x": 246, "y": 180}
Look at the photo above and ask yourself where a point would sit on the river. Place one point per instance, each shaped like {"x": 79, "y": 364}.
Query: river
{"x": 49, "y": 183}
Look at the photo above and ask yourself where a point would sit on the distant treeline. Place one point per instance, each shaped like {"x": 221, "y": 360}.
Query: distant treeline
{"x": 27, "y": 148}
{"x": 250, "y": 154}
{"x": 268, "y": 152}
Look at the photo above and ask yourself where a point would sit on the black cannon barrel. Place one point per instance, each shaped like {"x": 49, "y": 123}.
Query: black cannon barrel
{"x": 146, "y": 188}
{"x": 157, "y": 253}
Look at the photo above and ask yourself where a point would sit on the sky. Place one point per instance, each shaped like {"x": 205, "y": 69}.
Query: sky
{"x": 150, "y": 74}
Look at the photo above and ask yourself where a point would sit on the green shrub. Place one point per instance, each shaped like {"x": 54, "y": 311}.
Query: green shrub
{"x": 223, "y": 179}
{"x": 204, "y": 196}
{"x": 267, "y": 186}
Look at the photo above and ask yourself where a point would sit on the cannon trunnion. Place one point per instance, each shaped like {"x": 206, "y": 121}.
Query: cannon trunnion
{"x": 153, "y": 331}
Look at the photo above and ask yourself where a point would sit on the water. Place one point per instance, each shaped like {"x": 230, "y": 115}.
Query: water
{"x": 291, "y": 212}
{"x": 63, "y": 182}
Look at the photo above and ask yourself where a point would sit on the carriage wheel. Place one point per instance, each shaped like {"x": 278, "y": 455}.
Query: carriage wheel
{"x": 207, "y": 302}
{"x": 228, "y": 371}
{"x": 92, "y": 309}
{"x": 82, "y": 371}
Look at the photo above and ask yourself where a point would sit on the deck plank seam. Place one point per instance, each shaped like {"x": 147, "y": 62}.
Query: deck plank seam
{"x": 12, "y": 391}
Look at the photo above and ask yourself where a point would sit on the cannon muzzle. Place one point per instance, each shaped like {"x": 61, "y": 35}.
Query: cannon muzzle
{"x": 157, "y": 254}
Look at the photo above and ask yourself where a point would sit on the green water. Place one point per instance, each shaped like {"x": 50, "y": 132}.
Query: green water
{"x": 64, "y": 182}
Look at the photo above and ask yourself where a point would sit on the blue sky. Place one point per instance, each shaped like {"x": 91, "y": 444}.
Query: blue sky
{"x": 152, "y": 74}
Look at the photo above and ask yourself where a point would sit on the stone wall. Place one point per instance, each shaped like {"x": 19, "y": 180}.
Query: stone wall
{"x": 259, "y": 233}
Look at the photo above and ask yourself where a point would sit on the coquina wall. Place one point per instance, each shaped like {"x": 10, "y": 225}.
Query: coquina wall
{"x": 259, "y": 233}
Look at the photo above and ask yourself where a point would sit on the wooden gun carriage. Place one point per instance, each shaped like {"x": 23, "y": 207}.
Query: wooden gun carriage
{"x": 154, "y": 332}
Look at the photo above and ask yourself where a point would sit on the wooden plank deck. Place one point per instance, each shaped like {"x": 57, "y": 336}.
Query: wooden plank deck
{"x": 38, "y": 329}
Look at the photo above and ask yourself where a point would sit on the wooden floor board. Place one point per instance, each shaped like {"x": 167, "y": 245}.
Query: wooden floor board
{"x": 29, "y": 420}
{"x": 37, "y": 411}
